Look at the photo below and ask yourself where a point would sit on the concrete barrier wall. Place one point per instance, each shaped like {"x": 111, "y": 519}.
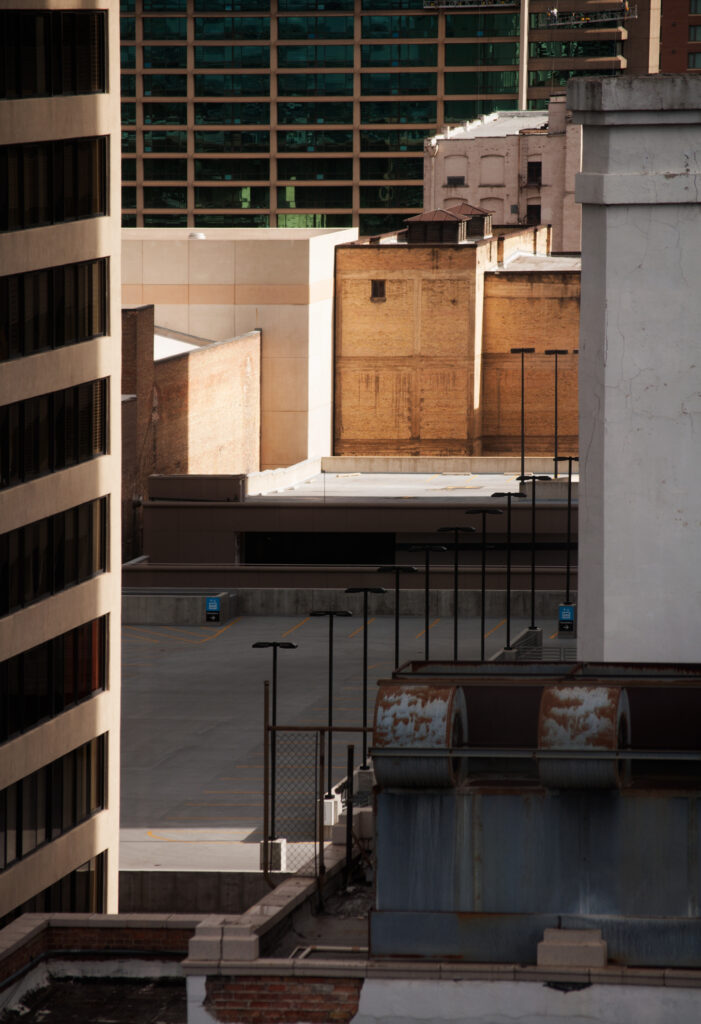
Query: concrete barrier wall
{"x": 170, "y": 608}
{"x": 191, "y": 892}
{"x": 425, "y": 464}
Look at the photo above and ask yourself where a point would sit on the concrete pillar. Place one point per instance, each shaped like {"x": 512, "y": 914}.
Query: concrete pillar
{"x": 640, "y": 368}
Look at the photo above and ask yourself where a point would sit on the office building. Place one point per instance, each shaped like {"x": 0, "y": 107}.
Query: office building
{"x": 680, "y": 48}
{"x": 288, "y": 113}
{"x": 59, "y": 458}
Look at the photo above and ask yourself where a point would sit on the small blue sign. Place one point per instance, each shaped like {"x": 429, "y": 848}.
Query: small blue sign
{"x": 566, "y": 618}
{"x": 213, "y": 604}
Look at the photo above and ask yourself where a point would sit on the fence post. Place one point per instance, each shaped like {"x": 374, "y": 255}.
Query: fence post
{"x": 349, "y": 812}
{"x": 266, "y": 778}
{"x": 320, "y": 804}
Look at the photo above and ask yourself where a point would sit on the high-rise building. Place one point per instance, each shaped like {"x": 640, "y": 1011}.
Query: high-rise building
{"x": 59, "y": 457}
{"x": 296, "y": 113}
{"x": 681, "y": 36}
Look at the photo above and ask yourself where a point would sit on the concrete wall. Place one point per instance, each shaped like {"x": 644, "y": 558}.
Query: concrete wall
{"x": 191, "y": 892}
{"x": 640, "y": 375}
{"x": 237, "y": 280}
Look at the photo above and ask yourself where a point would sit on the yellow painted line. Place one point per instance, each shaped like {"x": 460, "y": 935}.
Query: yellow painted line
{"x": 232, "y": 822}
{"x": 554, "y": 635}
{"x": 359, "y": 629}
{"x": 148, "y": 639}
{"x": 297, "y": 626}
{"x": 237, "y": 803}
{"x": 166, "y": 839}
{"x": 231, "y": 792}
{"x": 432, "y": 477}
{"x": 213, "y": 636}
{"x": 187, "y": 632}
{"x": 434, "y": 623}
{"x": 495, "y": 628}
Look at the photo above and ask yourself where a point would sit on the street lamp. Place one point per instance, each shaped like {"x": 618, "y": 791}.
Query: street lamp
{"x": 397, "y": 570}
{"x": 555, "y": 352}
{"x": 426, "y": 548}
{"x": 532, "y": 479}
{"x": 286, "y": 646}
{"x": 569, "y": 459}
{"x": 365, "y": 591}
{"x": 523, "y": 352}
{"x": 331, "y": 614}
{"x": 484, "y": 512}
{"x": 456, "y": 530}
{"x": 508, "y": 495}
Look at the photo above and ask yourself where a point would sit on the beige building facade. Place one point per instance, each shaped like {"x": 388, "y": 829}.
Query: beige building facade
{"x": 520, "y": 165}
{"x": 59, "y": 457}
{"x": 278, "y": 281}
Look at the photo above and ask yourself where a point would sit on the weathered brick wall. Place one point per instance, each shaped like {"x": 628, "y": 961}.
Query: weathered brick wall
{"x": 208, "y": 409}
{"x": 285, "y": 1000}
{"x": 530, "y": 310}
{"x": 405, "y": 365}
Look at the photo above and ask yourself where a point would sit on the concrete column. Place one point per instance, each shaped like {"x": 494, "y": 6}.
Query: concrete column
{"x": 640, "y": 368}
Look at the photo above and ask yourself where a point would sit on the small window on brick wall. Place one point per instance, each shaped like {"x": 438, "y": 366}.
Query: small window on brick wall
{"x": 455, "y": 180}
{"x": 377, "y": 291}
{"x": 534, "y": 173}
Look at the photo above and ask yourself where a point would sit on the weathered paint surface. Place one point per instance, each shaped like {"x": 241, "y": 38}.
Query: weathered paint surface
{"x": 583, "y": 718}
{"x": 419, "y": 717}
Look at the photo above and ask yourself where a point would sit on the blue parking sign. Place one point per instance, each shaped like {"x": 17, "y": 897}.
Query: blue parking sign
{"x": 566, "y": 618}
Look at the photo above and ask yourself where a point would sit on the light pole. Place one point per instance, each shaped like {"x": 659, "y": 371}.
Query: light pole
{"x": 286, "y": 646}
{"x": 555, "y": 352}
{"x": 397, "y": 570}
{"x": 523, "y": 352}
{"x": 456, "y": 531}
{"x": 365, "y": 591}
{"x": 569, "y": 459}
{"x": 331, "y": 614}
{"x": 427, "y": 549}
{"x": 508, "y": 495}
{"x": 484, "y": 512}
{"x": 532, "y": 479}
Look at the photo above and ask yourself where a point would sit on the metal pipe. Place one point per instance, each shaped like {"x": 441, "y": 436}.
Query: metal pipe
{"x": 349, "y": 811}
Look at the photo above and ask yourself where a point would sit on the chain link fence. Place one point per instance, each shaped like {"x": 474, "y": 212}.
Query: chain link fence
{"x": 295, "y": 803}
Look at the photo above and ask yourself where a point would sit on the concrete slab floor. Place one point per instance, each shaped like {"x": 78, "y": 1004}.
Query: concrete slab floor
{"x": 192, "y": 723}
{"x": 104, "y": 1001}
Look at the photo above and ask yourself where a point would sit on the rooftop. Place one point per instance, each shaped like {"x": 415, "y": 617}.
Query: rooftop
{"x": 497, "y": 125}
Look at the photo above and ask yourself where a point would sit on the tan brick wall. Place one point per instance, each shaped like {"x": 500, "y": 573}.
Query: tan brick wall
{"x": 208, "y": 409}
{"x": 529, "y": 310}
{"x": 259, "y": 1000}
{"x": 405, "y": 365}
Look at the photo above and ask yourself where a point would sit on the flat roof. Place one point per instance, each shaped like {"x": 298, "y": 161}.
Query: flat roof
{"x": 497, "y": 125}
{"x": 231, "y": 234}
{"x": 525, "y": 262}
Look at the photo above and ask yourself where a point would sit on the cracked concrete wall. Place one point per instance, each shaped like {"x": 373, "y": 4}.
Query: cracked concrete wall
{"x": 640, "y": 368}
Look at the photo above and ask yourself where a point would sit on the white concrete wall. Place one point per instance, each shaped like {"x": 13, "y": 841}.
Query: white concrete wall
{"x": 640, "y": 369}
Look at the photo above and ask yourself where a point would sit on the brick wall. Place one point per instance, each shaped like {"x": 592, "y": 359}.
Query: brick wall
{"x": 258, "y": 1000}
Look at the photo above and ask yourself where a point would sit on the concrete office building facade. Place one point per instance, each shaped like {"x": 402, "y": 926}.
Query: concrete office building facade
{"x": 265, "y": 113}
{"x": 518, "y": 165}
{"x": 59, "y": 457}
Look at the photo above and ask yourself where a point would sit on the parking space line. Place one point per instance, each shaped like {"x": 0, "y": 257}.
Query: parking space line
{"x": 287, "y": 633}
{"x": 359, "y": 629}
{"x": 495, "y": 628}
{"x": 554, "y": 635}
{"x": 434, "y": 623}
{"x": 152, "y": 632}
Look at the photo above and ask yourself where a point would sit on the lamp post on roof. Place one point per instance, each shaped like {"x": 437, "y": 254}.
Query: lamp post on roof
{"x": 397, "y": 570}
{"x": 456, "y": 531}
{"x": 427, "y": 549}
{"x": 523, "y": 352}
{"x": 532, "y": 479}
{"x": 331, "y": 614}
{"x": 365, "y": 591}
{"x": 484, "y": 512}
{"x": 508, "y": 495}
{"x": 555, "y": 352}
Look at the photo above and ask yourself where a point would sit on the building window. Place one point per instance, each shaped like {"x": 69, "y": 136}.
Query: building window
{"x": 45, "y": 681}
{"x": 377, "y": 291}
{"x": 52, "y": 554}
{"x": 52, "y": 308}
{"x": 50, "y": 802}
{"x": 51, "y": 432}
{"x": 455, "y": 181}
{"x": 694, "y": 60}
{"x": 534, "y": 174}
{"x": 51, "y": 53}
{"x": 695, "y": 33}
{"x": 52, "y": 182}
{"x": 694, "y": 6}
{"x": 532, "y": 214}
